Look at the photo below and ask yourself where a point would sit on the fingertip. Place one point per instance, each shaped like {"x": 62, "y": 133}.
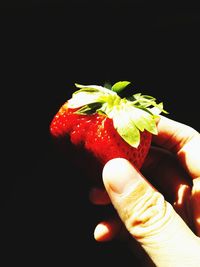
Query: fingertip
{"x": 119, "y": 173}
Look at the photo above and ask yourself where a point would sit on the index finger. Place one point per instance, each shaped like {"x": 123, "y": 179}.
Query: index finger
{"x": 182, "y": 140}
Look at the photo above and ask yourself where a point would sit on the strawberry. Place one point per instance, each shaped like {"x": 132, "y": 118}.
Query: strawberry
{"x": 96, "y": 125}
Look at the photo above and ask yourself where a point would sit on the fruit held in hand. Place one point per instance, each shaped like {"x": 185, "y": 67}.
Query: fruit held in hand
{"x": 96, "y": 125}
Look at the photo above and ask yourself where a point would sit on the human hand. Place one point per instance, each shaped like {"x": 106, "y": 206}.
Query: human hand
{"x": 167, "y": 228}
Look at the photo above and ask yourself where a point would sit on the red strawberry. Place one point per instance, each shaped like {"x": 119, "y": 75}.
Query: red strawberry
{"x": 96, "y": 125}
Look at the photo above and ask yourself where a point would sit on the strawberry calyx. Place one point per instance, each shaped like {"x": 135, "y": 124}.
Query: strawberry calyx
{"x": 130, "y": 115}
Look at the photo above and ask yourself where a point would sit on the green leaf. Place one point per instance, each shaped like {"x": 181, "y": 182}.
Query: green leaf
{"x": 126, "y": 128}
{"x": 88, "y": 109}
{"x": 91, "y": 94}
{"x": 90, "y": 88}
{"x": 83, "y": 98}
{"x": 119, "y": 86}
{"x": 143, "y": 120}
{"x": 147, "y": 103}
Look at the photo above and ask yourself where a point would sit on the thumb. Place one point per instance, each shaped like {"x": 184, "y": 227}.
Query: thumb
{"x": 150, "y": 219}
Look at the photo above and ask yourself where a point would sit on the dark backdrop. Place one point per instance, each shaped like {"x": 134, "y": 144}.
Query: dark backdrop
{"x": 47, "y": 46}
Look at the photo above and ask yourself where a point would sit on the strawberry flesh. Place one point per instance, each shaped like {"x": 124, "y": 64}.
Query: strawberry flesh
{"x": 91, "y": 140}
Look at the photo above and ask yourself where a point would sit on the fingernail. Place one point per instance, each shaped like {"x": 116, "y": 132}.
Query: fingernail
{"x": 119, "y": 174}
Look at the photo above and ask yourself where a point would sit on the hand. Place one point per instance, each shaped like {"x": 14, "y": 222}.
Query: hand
{"x": 162, "y": 211}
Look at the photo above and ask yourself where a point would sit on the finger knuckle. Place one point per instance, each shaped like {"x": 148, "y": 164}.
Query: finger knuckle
{"x": 145, "y": 214}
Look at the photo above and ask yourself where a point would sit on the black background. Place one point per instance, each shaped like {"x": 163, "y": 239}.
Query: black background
{"x": 47, "y": 46}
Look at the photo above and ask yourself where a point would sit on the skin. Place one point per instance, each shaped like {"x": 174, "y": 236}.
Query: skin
{"x": 157, "y": 209}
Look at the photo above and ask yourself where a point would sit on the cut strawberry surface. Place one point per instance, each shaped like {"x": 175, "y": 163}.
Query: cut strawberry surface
{"x": 98, "y": 125}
